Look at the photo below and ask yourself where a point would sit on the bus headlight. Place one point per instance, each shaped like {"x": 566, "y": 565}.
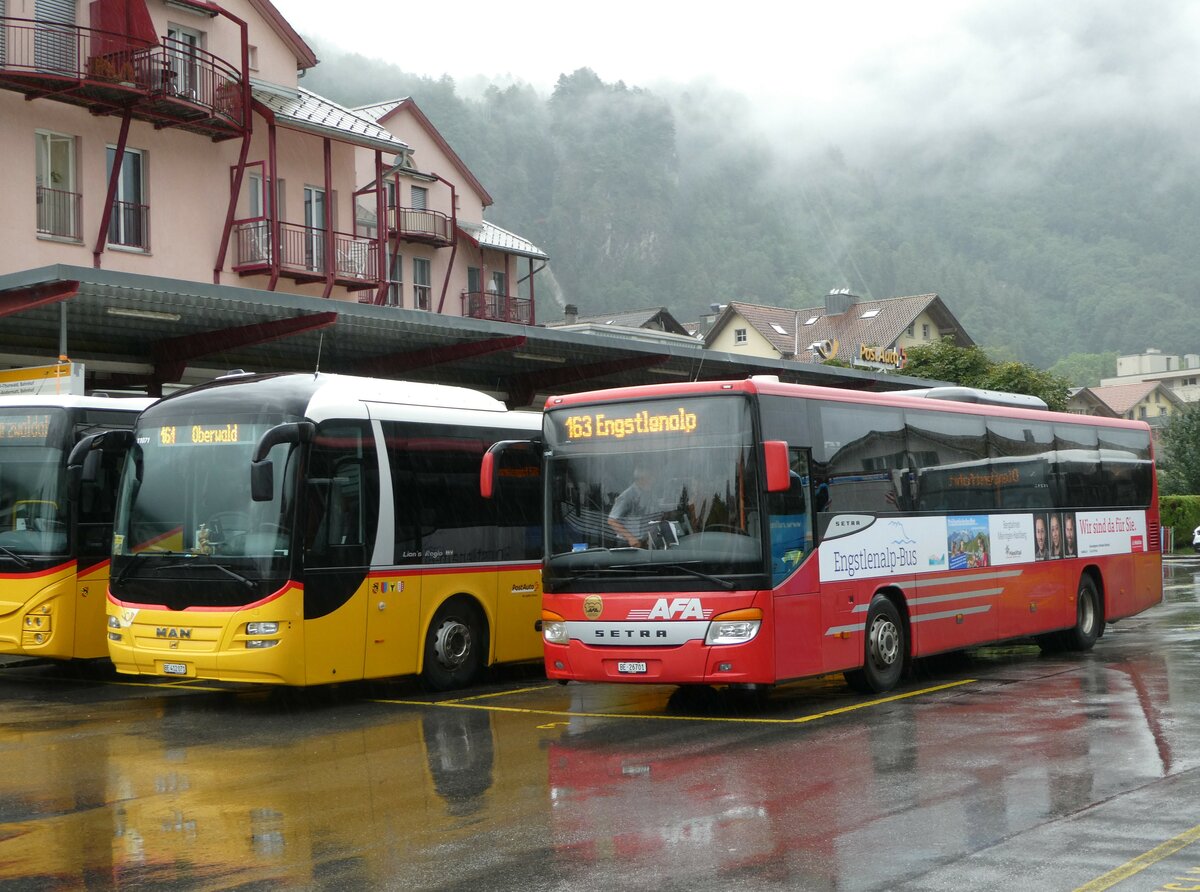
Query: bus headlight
{"x": 554, "y": 628}
{"x": 735, "y": 627}
{"x": 261, "y": 643}
{"x": 262, "y": 628}
{"x": 114, "y": 623}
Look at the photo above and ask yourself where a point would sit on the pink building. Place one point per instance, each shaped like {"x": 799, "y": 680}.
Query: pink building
{"x": 171, "y": 138}
{"x": 442, "y": 254}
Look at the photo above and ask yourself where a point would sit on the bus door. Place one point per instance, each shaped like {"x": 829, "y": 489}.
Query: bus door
{"x": 797, "y": 602}
{"x": 340, "y": 508}
{"x": 93, "y": 521}
{"x": 394, "y": 595}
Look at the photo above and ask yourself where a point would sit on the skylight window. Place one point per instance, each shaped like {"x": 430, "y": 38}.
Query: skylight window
{"x": 870, "y": 314}
{"x": 779, "y": 329}
{"x": 811, "y": 319}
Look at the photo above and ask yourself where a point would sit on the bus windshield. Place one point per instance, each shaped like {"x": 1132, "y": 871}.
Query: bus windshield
{"x": 33, "y": 508}
{"x": 658, "y": 494}
{"x": 185, "y": 515}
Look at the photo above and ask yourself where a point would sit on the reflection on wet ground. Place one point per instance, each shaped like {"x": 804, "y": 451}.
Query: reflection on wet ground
{"x": 998, "y": 769}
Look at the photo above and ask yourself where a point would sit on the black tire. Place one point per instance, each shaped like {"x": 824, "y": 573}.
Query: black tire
{"x": 1051, "y": 642}
{"x": 455, "y": 647}
{"x": 1089, "y": 617}
{"x": 883, "y": 652}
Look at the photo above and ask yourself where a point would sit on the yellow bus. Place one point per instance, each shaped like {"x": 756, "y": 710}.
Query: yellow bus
{"x": 54, "y": 551}
{"x": 309, "y": 529}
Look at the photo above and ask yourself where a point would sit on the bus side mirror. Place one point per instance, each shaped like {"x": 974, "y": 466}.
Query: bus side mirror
{"x": 262, "y": 480}
{"x": 487, "y": 475}
{"x": 493, "y": 467}
{"x": 262, "y": 471}
{"x": 775, "y": 455}
{"x": 83, "y": 464}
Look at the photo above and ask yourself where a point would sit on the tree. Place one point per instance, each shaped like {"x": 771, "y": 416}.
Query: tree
{"x": 1086, "y": 369}
{"x": 1179, "y": 457}
{"x": 972, "y": 367}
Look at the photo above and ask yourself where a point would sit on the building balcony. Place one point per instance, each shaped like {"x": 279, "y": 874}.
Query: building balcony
{"x": 497, "y": 307}
{"x": 302, "y": 254}
{"x": 58, "y": 214}
{"x": 420, "y": 225}
{"x": 168, "y": 84}
{"x": 129, "y": 225}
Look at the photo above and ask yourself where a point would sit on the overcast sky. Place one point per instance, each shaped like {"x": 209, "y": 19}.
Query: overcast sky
{"x": 870, "y": 62}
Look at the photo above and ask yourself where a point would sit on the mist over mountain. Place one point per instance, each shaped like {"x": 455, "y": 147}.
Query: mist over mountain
{"x": 1064, "y": 221}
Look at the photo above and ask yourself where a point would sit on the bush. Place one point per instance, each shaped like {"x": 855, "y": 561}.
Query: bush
{"x": 1182, "y": 514}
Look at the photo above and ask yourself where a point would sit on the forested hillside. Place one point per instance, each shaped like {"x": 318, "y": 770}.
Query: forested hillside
{"x": 1074, "y": 239}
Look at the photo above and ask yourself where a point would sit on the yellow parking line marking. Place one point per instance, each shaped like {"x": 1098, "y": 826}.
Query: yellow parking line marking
{"x": 460, "y": 704}
{"x": 1141, "y": 862}
{"x": 540, "y": 687}
{"x": 180, "y": 683}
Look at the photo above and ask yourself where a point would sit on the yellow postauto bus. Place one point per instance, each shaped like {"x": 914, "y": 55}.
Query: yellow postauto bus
{"x": 309, "y": 529}
{"x": 54, "y": 550}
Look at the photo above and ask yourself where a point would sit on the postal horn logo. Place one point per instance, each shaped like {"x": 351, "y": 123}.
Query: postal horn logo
{"x": 826, "y": 349}
{"x": 593, "y": 606}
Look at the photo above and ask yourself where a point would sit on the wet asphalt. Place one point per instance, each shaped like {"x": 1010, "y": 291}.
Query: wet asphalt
{"x": 997, "y": 769}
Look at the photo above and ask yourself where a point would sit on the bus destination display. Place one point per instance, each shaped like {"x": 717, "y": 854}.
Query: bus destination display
{"x": 600, "y": 425}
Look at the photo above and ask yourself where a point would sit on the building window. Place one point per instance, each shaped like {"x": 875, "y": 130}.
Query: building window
{"x": 422, "y": 284}
{"x": 925, "y": 330}
{"x": 129, "y": 220}
{"x": 912, "y": 330}
{"x": 252, "y": 53}
{"x": 420, "y": 198}
{"x": 314, "y": 229}
{"x": 183, "y": 63}
{"x": 739, "y": 336}
{"x": 57, "y": 200}
{"x": 395, "y": 291}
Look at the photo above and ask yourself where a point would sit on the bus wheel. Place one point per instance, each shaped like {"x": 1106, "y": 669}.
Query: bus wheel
{"x": 883, "y": 657}
{"x": 454, "y": 647}
{"x": 1089, "y": 617}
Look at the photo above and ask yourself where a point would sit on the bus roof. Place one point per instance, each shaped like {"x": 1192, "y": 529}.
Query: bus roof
{"x": 323, "y": 395}
{"x": 761, "y": 384}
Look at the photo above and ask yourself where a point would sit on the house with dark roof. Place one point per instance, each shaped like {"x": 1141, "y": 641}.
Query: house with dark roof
{"x": 652, "y": 324}
{"x": 865, "y": 333}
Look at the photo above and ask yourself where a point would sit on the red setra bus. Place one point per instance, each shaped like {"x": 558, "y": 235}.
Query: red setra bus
{"x": 747, "y": 533}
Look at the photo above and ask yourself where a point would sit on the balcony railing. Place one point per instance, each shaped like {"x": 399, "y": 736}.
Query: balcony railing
{"x": 129, "y": 225}
{"x": 58, "y": 213}
{"x": 302, "y": 252}
{"x": 421, "y": 225}
{"x": 497, "y": 307}
{"x": 169, "y": 83}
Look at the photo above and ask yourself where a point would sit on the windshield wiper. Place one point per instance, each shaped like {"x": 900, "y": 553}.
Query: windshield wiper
{"x": 8, "y": 552}
{"x": 584, "y": 574}
{"x": 133, "y": 559}
{"x": 707, "y": 577}
{"x": 191, "y": 562}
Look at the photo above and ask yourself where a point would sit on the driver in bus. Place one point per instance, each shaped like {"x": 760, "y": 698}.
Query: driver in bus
{"x": 629, "y": 517}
